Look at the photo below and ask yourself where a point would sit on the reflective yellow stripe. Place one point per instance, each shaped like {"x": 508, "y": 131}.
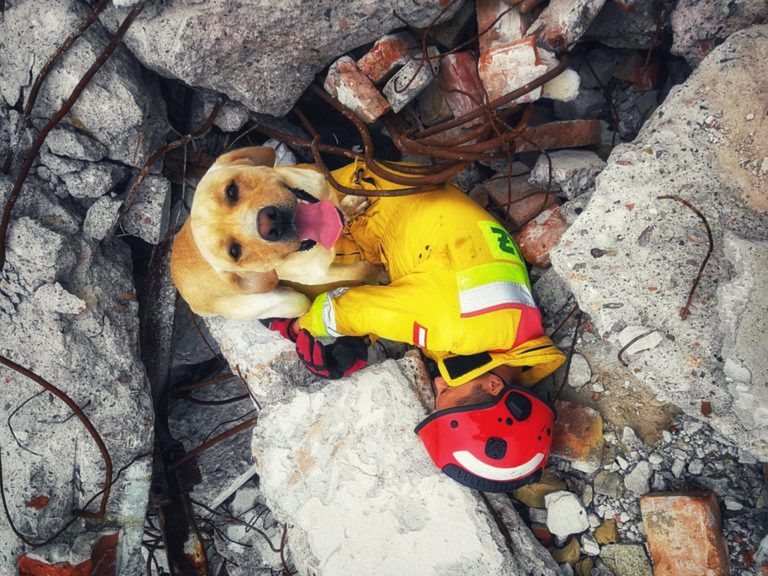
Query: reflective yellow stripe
{"x": 491, "y": 272}
{"x": 316, "y": 316}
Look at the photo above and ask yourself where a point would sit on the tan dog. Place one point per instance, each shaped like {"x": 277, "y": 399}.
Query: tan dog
{"x": 244, "y": 234}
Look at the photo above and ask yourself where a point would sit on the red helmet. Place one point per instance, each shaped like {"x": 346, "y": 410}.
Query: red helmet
{"x": 497, "y": 446}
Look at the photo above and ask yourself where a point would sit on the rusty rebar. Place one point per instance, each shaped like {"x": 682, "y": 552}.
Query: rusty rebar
{"x": 65, "y": 108}
{"x": 43, "y": 74}
{"x": 72, "y": 405}
{"x": 686, "y": 310}
{"x": 620, "y": 355}
{"x": 213, "y": 441}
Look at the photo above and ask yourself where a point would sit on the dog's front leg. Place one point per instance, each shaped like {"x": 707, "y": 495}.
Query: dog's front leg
{"x": 282, "y": 302}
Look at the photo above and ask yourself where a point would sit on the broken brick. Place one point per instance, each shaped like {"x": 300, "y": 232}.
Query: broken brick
{"x": 461, "y": 84}
{"x": 578, "y": 436}
{"x": 684, "y": 534}
{"x": 38, "y": 502}
{"x": 542, "y": 534}
{"x": 541, "y": 235}
{"x": 510, "y": 27}
{"x": 411, "y": 79}
{"x": 509, "y": 66}
{"x": 525, "y": 201}
{"x": 351, "y": 87}
{"x": 565, "y": 134}
{"x": 388, "y": 53}
{"x": 563, "y": 22}
{"x": 101, "y": 563}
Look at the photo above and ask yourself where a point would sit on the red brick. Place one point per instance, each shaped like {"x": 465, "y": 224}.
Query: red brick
{"x": 387, "y": 53}
{"x": 541, "y": 235}
{"x": 509, "y": 66}
{"x": 578, "y": 436}
{"x": 684, "y": 534}
{"x": 542, "y": 534}
{"x": 508, "y": 28}
{"x": 526, "y": 200}
{"x": 564, "y": 134}
{"x": 351, "y": 87}
{"x": 101, "y": 562}
{"x": 461, "y": 84}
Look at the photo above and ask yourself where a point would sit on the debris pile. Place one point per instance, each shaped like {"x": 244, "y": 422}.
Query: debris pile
{"x": 575, "y": 122}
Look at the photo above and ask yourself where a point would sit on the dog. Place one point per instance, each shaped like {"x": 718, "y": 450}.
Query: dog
{"x": 252, "y": 225}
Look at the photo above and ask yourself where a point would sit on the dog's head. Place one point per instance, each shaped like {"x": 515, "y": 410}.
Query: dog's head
{"x": 250, "y": 217}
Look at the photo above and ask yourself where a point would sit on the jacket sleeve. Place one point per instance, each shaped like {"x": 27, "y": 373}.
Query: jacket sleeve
{"x": 386, "y": 311}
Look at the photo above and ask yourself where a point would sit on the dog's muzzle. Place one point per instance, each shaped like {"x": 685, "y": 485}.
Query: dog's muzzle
{"x": 275, "y": 224}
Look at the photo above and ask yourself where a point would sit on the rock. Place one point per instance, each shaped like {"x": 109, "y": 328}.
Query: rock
{"x": 532, "y": 495}
{"x": 563, "y": 22}
{"x": 684, "y": 534}
{"x": 606, "y": 533}
{"x": 695, "y": 467}
{"x": 601, "y": 569}
{"x": 659, "y": 246}
{"x": 76, "y": 144}
{"x": 433, "y": 105}
{"x": 68, "y": 312}
{"x": 568, "y": 554}
{"x": 538, "y": 515}
{"x": 648, "y": 342}
{"x": 697, "y": 27}
{"x": 622, "y": 462}
{"x": 579, "y": 373}
{"x": 573, "y": 171}
{"x": 565, "y": 514}
{"x": 638, "y": 480}
{"x": 101, "y": 217}
{"x": 149, "y": 214}
{"x": 626, "y": 559}
{"x": 732, "y": 504}
{"x": 351, "y": 87}
{"x": 231, "y": 116}
{"x": 677, "y": 468}
{"x": 58, "y": 165}
{"x": 94, "y": 180}
{"x": 324, "y": 471}
{"x": 284, "y": 156}
{"x": 608, "y": 484}
{"x": 589, "y": 545}
{"x": 541, "y": 235}
{"x": 121, "y": 108}
{"x": 578, "y": 436}
{"x": 587, "y": 104}
{"x": 240, "y": 49}
{"x": 411, "y": 79}
{"x": 626, "y": 24}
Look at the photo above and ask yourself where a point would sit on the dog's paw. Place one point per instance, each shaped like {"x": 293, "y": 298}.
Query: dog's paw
{"x": 353, "y": 206}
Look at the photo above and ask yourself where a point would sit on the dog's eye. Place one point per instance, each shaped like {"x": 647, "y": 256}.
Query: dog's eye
{"x": 232, "y": 192}
{"x": 235, "y": 250}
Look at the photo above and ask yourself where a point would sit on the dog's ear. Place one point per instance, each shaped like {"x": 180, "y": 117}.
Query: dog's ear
{"x": 251, "y": 282}
{"x": 251, "y": 156}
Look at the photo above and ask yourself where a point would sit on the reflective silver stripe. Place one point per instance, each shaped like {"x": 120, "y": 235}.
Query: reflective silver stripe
{"x": 494, "y": 295}
{"x": 329, "y": 316}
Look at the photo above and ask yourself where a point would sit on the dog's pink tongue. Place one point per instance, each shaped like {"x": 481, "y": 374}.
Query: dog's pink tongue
{"x": 319, "y": 221}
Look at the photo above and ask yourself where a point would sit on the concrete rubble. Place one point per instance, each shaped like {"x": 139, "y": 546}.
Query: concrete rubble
{"x": 712, "y": 356}
{"x": 657, "y": 465}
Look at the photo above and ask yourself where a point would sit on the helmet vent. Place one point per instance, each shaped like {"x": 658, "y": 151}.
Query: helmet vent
{"x": 495, "y": 448}
{"x": 519, "y": 406}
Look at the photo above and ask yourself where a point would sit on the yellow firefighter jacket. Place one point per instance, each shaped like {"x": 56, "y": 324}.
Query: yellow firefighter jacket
{"x": 459, "y": 287}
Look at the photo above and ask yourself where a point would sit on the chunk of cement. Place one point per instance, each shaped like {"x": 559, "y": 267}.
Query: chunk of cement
{"x": 94, "y": 180}
{"x": 565, "y": 514}
{"x": 573, "y": 171}
{"x": 340, "y": 463}
{"x": 149, "y": 214}
{"x": 121, "y": 108}
{"x": 694, "y": 145}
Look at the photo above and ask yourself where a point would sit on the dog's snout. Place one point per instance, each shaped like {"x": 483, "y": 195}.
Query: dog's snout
{"x": 274, "y": 224}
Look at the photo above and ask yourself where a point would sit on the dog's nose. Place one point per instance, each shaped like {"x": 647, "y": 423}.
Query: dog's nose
{"x": 273, "y": 224}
